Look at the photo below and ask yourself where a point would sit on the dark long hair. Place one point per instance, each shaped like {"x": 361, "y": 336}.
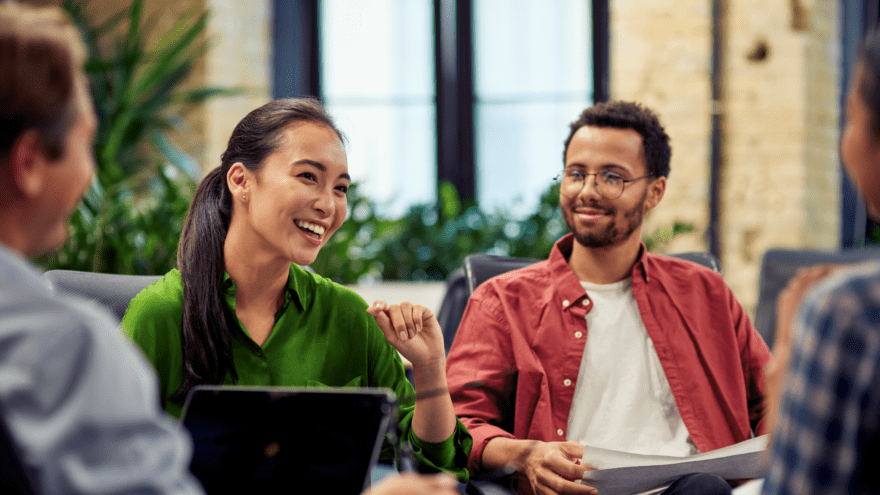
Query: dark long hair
{"x": 206, "y": 336}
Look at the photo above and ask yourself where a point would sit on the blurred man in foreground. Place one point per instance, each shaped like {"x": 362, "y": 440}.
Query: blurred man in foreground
{"x": 78, "y": 401}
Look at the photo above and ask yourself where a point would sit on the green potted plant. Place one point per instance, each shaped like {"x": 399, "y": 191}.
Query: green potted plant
{"x": 130, "y": 220}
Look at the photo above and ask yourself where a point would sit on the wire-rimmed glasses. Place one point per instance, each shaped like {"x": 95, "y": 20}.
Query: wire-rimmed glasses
{"x": 609, "y": 184}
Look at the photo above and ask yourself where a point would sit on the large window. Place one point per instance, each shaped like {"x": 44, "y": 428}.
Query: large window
{"x": 475, "y": 92}
{"x": 532, "y": 77}
{"x": 377, "y": 80}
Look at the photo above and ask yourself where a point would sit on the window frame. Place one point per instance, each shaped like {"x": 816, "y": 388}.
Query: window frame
{"x": 296, "y": 64}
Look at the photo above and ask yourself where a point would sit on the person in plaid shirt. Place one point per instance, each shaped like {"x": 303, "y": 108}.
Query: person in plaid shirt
{"x": 827, "y": 410}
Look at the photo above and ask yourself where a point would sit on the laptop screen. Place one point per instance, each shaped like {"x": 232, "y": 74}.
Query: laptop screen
{"x": 286, "y": 440}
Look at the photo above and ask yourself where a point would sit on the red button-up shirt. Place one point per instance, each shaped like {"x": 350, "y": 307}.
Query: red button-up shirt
{"x": 514, "y": 364}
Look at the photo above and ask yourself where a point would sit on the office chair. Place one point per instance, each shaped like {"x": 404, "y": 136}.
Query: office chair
{"x": 110, "y": 290}
{"x": 477, "y": 268}
{"x": 452, "y": 308}
{"x": 778, "y": 267}
{"x": 481, "y": 267}
{"x": 701, "y": 258}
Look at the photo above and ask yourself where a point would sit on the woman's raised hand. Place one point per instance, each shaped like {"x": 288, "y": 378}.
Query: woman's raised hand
{"x": 412, "y": 329}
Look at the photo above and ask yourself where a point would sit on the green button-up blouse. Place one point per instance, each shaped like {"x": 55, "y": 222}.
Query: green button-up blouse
{"x": 322, "y": 336}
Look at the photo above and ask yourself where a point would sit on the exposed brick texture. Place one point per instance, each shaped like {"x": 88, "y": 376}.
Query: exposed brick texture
{"x": 780, "y": 167}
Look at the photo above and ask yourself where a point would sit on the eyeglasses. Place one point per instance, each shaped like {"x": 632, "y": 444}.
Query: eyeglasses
{"x": 608, "y": 184}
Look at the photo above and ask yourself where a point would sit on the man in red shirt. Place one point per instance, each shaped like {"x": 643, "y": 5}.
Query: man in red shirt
{"x": 604, "y": 344}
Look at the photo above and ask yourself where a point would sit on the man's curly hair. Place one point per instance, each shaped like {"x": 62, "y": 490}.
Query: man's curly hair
{"x": 630, "y": 115}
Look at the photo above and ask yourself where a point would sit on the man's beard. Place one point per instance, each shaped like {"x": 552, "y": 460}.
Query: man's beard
{"x": 611, "y": 235}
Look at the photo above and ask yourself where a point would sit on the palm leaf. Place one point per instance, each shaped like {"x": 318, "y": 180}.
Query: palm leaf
{"x": 167, "y": 58}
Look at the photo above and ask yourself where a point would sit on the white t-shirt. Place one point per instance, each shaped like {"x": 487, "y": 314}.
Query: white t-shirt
{"x": 622, "y": 400}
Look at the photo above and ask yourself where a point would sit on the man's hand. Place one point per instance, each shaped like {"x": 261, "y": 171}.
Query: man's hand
{"x": 551, "y": 467}
{"x": 554, "y": 467}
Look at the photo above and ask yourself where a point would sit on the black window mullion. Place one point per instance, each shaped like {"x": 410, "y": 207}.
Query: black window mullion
{"x": 296, "y": 59}
{"x": 601, "y": 40}
{"x": 453, "y": 47}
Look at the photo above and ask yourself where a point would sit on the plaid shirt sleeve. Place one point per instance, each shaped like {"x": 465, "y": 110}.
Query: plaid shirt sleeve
{"x": 827, "y": 439}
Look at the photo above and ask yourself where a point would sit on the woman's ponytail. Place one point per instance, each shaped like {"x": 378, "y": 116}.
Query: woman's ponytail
{"x": 205, "y": 336}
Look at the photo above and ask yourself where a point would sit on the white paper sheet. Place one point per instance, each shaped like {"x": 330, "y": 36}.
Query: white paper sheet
{"x": 622, "y": 473}
{"x": 751, "y": 488}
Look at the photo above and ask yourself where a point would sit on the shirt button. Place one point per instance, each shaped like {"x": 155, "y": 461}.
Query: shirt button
{"x": 258, "y": 352}
{"x": 560, "y": 432}
{"x": 578, "y": 334}
{"x": 585, "y": 302}
{"x": 565, "y": 303}
{"x": 567, "y": 382}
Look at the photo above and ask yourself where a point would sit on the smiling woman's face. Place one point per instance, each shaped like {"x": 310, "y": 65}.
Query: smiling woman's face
{"x": 297, "y": 199}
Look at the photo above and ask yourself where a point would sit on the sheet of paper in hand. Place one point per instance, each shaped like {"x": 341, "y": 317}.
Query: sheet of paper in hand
{"x": 622, "y": 473}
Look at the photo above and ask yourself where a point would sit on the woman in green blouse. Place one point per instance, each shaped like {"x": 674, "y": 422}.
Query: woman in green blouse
{"x": 241, "y": 311}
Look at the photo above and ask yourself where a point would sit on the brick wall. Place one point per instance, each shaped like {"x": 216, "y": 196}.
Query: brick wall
{"x": 779, "y": 177}
{"x": 661, "y": 56}
{"x": 781, "y": 182}
{"x": 240, "y": 56}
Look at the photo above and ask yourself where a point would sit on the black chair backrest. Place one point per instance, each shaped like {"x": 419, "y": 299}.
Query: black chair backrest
{"x": 477, "y": 268}
{"x": 481, "y": 267}
{"x": 701, "y": 258}
{"x": 111, "y": 290}
{"x": 452, "y": 307}
{"x": 780, "y": 265}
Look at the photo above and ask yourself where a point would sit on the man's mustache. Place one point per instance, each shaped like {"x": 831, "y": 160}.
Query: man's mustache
{"x": 608, "y": 210}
